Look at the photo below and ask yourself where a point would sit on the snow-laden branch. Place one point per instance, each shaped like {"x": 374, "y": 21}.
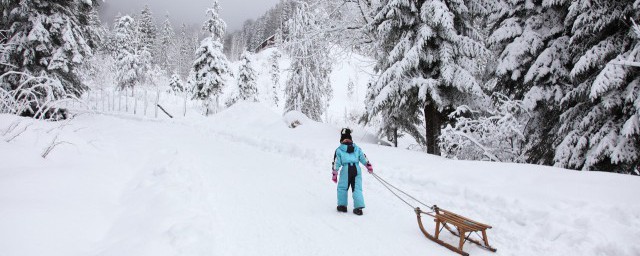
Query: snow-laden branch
{"x": 627, "y": 63}
{"x": 630, "y": 62}
{"x": 496, "y": 134}
{"x": 38, "y": 95}
{"x": 485, "y": 151}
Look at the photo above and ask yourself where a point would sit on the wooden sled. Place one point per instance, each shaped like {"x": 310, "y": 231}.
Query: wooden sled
{"x": 463, "y": 226}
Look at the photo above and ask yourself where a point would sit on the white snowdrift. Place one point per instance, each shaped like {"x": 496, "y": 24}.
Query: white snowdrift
{"x": 243, "y": 183}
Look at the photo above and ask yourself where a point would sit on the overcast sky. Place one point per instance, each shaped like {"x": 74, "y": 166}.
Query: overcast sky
{"x": 234, "y": 12}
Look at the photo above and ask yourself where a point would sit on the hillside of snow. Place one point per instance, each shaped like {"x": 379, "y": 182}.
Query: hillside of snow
{"x": 242, "y": 182}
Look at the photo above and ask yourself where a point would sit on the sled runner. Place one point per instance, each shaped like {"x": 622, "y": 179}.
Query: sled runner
{"x": 464, "y": 228}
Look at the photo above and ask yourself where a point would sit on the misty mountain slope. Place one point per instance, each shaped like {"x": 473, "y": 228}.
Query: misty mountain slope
{"x": 242, "y": 183}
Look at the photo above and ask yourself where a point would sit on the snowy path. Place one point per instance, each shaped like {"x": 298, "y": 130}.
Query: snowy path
{"x": 218, "y": 196}
{"x": 245, "y": 184}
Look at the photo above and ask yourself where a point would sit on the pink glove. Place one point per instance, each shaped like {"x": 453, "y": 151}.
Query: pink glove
{"x": 335, "y": 176}
{"x": 369, "y": 167}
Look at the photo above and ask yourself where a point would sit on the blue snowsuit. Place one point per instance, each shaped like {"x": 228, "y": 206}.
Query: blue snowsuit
{"x": 347, "y": 157}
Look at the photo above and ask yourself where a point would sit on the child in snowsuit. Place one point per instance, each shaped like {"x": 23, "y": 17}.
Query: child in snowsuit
{"x": 348, "y": 156}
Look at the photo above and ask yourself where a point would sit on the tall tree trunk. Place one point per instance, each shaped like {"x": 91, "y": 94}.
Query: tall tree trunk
{"x": 432, "y": 124}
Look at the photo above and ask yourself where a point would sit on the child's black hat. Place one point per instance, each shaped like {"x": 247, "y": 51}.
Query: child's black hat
{"x": 345, "y": 134}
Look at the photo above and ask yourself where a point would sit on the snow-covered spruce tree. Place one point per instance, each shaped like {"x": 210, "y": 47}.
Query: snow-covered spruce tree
{"x": 258, "y": 34}
{"x": 98, "y": 33}
{"x": 49, "y": 39}
{"x": 185, "y": 54}
{"x": 167, "y": 52}
{"x": 532, "y": 65}
{"x": 210, "y": 65}
{"x": 247, "y": 87}
{"x": 308, "y": 87}
{"x": 176, "y": 84}
{"x": 147, "y": 31}
{"x": 147, "y": 70}
{"x": 128, "y": 61}
{"x": 274, "y": 70}
{"x": 600, "y": 128}
{"x": 429, "y": 56}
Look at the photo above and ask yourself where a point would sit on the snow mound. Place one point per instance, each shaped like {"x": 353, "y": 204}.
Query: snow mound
{"x": 246, "y": 115}
{"x": 295, "y": 119}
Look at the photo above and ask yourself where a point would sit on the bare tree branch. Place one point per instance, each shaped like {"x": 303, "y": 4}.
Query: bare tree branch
{"x": 18, "y": 133}
{"x": 53, "y": 145}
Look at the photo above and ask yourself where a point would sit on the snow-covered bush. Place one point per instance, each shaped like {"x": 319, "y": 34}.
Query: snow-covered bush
{"x": 295, "y": 118}
{"x": 495, "y": 135}
{"x": 175, "y": 84}
{"x": 99, "y": 72}
{"x": 36, "y": 97}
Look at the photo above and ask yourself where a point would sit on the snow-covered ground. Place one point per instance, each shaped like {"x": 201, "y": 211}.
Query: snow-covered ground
{"x": 242, "y": 183}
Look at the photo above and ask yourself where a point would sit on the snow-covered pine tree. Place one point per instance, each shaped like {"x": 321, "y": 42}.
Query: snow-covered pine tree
{"x": 147, "y": 71}
{"x": 247, "y": 87}
{"x": 97, "y": 36}
{"x": 258, "y": 34}
{"x": 185, "y": 55}
{"x": 274, "y": 64}
{"x": 532, "y": 65}
{"x": 233, "y": 46}
{"x": 147, "y": 30}
{"x": 127, "y": 58}
{"x": 50, "y": 39}
{"x": 429, "y": 57}
{"x": 210, "y": 65}
{"x": 600, "y": 126}
{"x": 166, "y": 46}
{"x": 308, "y": 88}
{"x": 248, "y": 33}
{"x": 176, "y": 84}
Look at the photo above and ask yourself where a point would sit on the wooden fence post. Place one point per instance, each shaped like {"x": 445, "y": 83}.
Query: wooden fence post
{"x": 111, "y": 100}
{"x": 146, "y": 102}
{"x": 156, "y": 103}
{"x": 184, "y": 109}
{"x": 135, "y": 104}
{"x": 102, "y": 99}
{"x": 126, "y": 102}
{"x": 120, "y": 101}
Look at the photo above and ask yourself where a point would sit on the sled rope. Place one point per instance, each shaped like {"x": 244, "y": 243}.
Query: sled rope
{"x": 388, "y": 186}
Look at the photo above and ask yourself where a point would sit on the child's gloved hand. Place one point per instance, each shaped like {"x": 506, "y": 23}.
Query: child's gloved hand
{"x": 369, "y": 167}
{"x": 335, "y": 176}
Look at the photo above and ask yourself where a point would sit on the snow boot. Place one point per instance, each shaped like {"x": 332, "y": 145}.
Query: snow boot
{"x": 357, "y": 211}
{"x": 342, "y": 208}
